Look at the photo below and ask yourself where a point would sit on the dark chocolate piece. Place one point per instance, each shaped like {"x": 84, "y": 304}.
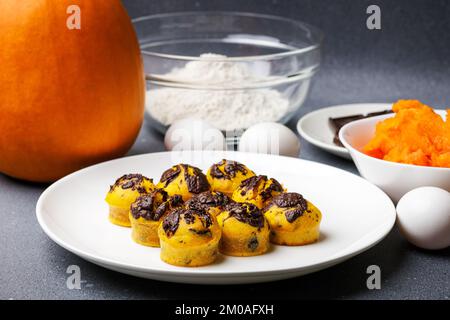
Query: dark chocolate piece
{"x": 216, "y": 173}
{"x": 247, "y": 213}
{"x": 229, "y": 170}
{"x": 338, "y": 123}
{"x": 204, "y": 232}
{"x": 131, "y": 181}
{"x": 253, "y": 243}
{"x": 289, "y": 199}
{"x": 207, "y": 200}
{"x": 294, "y": 203}
{"x": 293, "y": 214}
{"x": 172, "y": 220}
{"x": 173, "y": 202}
{"x": 150, "y": 208}
{"x": 253, "y": 183}
{"x": 171, "y": 174}
{"x": 189, "y": 217}
{"x": 275, "y": 186}
{"x": 145, "y": 205}
{"x": 196, "y": 182}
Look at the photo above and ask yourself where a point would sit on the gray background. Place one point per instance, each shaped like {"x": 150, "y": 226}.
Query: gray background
{"x": 408, "y": 58}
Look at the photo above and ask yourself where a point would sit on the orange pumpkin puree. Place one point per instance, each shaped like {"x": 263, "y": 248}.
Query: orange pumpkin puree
{"x": 415, "y": 135}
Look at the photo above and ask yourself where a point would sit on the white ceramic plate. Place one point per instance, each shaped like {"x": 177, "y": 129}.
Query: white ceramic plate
{"x": 356, "y": 216}
{"x": 315, "y": 126}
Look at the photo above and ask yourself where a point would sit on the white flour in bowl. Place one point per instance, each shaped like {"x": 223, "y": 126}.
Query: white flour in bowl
{"x": 225, "y": 109}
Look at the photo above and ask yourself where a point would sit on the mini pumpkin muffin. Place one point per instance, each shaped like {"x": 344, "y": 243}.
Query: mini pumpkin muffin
{"x": 257, "y": 190}
{"x": 227, "y": 175}
{"x": 189, "y": 238}
{"x": 245, "y": 231}
{"x": 123, "y": 193}
{"x": 293, "y": 220}
{"x": 146, "y": 214}
{"x": 184, "y": 180}
{"x": 212, "y": 202}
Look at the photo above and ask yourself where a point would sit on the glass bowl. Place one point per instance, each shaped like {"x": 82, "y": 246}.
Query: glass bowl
{"x": 231, "y": 69}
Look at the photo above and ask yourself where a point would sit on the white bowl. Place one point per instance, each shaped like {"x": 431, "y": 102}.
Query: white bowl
{"x": 394, "y": 178}
{"x": 275, "y": 57}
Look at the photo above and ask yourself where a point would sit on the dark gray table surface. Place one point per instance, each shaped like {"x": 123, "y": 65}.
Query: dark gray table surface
{"x": 408, "y": 58}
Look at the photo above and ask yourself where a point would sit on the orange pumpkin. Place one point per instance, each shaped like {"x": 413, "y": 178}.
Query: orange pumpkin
{"x": 69, "y": 97}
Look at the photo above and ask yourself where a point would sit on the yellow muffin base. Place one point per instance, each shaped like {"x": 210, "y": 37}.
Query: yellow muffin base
{"x": 119, "y": 216}
{"x": 257, "y": 201}
{"x": 237, "y": 236}
{"x": 238, "y": 246}
{"x": 221, "y": 185}
{"x": 183, "y": 256}
{"x": 145, "y": 232}
{"x": 297, "y": 237}
{"x": 304, "y": 230}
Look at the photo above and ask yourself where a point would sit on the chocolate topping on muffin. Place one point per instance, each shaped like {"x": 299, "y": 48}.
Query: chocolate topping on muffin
{"x": 172, "y": 220}
{"x": 131, "y": 181}
{"x": 174, "y": 201}
{"x": 150, "y": 207}
{"x": 252, "y": 183}
{"x": 170, "y": 174}
{"x": 247, "y": 213}
{"x": 208, "y": 199}
{"x": 196, "y": 182}
{"x": 295, "y": 204}
{"x": 229, "y": 171}
{"x": 275, "y": 186}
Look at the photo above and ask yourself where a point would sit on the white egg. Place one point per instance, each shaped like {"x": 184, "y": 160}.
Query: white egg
{"x": 423, "y": 217}
{"x": 193, "y": 134}
{"x": 271, "y": 138}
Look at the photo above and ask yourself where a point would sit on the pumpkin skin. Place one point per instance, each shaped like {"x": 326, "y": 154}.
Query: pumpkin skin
{"x": 68, "y": 98}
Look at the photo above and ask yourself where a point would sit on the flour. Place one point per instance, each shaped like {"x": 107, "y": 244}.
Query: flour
{"x": 210, "y": 70}
{"x": 225, "y": 109}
